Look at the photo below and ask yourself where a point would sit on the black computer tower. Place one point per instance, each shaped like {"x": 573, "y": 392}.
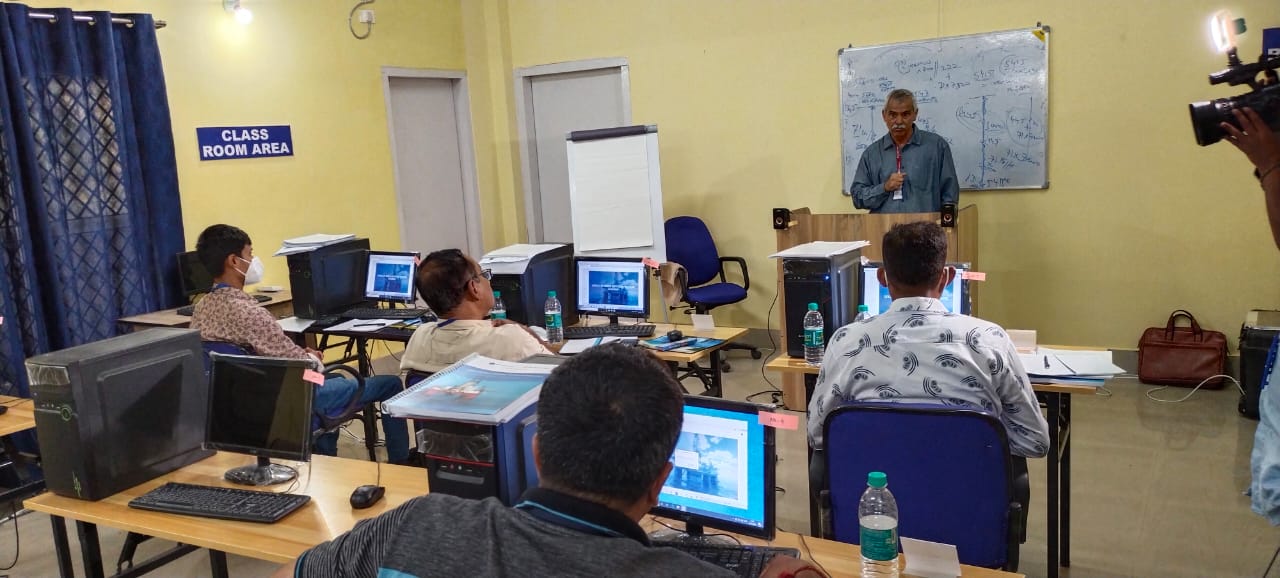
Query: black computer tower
{"x": 118, "y": 412}
{"x": 830, "y": 282}
{"x": 475, "y": 461}
{"x": 329, "y": 279}
{"x": 525, "y": 294}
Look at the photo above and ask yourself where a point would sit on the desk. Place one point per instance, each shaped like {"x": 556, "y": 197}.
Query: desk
{"x": 280, "y": 305}
{"x": 726, "y": 335}
{"x": 327, "y": 515}
{"x": 1057, "y": 397}
{"x": 838, "y": 558}
{"x": 20, "y": 416}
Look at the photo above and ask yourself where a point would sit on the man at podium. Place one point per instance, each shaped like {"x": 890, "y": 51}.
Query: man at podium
{"x": 907, "y": 170}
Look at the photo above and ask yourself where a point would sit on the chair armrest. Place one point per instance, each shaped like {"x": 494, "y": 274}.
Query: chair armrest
{"x": 1013, "y": 540}
{"x": 357, "y": 393}
{"x": 742, "y": 264}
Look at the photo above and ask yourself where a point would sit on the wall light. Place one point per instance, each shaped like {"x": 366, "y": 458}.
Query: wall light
{"x": 1223, "y": 30}
{"x": 243, "y": 15}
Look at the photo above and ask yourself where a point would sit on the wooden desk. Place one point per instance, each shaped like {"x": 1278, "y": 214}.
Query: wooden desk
{"x": 1057, "y": 398}
{"x": 19, "y": 417}
{"x": 838, "y": 558}
{"x": 328, "y": 514}
{"x": 715, "y": 381}
{"x": 280, "y": 305}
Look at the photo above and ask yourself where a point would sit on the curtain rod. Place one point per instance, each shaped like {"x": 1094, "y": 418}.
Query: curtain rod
{"x": 79, "y": 18}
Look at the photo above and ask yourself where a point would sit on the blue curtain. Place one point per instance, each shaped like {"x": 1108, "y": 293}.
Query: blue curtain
{"x": 90, "y": 219}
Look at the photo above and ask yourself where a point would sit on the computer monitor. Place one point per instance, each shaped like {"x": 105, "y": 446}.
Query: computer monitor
{"x": 195, "y": 277}
{"x": 390, "y": 276}
{"x": 260, "y": 406}
{"x": 723, "y": 470}
{"x": 613, "y": 286}
{"x": 955, "y": 297}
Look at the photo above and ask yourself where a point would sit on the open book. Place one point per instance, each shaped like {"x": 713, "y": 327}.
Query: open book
{"x": 477, "y": 389}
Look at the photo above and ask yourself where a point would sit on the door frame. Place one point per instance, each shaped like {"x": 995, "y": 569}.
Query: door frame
{"x": 523, "y": 83}
{"x": 466, "y": 149}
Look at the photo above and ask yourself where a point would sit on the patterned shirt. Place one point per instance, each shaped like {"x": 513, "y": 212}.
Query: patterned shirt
{"x": 917, "y": 352}
{"x": 231, "y": 315}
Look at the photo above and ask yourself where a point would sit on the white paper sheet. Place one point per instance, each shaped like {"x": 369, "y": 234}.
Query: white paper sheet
{"x": 514, "y": 259}
{"x": 1069, "y": 363}
{"x": 573, "y": 346}
{"x": 930, "y": 559}
{"x": 294, "y": 324}
{"x": 364, "y": 324}
{"x": 820, "y": 249}
{"x": 702, "y": 322}
{"x": 610, "y": 194}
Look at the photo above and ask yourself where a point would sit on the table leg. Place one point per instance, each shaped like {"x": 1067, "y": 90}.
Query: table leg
{"x": 61, "y": 547}
{"x": 1066, "y": 480}
{"x": 218, "y": 563}
{"x": 717, "y": 375}
{"x": 1054, "y": 400}
{"x": 364, "y": 364}
{"x": 90, "y": 549}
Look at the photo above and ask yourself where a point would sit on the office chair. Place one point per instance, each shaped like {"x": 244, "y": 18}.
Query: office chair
{"x": 949, "y": 470}
{"x": 321, "y": 423}
{"x": 689, "y": 243}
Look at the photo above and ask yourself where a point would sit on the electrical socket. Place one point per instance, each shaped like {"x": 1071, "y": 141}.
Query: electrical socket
{"x": 366, "y": 16}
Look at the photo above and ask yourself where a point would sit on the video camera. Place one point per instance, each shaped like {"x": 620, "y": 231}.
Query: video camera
{"x": 1207, "y": 117}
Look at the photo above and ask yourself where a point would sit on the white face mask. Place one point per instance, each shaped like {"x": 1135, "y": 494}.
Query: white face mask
{"x": 255, "y": 271}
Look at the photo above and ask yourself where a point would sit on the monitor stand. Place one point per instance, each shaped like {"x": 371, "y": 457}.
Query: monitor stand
{"x": 264, "y": 473}
{"x": 693, "y": 534}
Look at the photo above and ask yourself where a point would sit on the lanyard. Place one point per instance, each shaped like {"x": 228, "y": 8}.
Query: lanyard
{"x": 898, "y": 150}
{"x": 565, "y": 520}
{"x": 445, "y": 322}
{"x": 217, "y": 286}
{"x": 897, "y": 195}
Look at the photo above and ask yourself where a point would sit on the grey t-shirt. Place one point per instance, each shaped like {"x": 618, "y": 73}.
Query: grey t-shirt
{"x": 441, "y": 535}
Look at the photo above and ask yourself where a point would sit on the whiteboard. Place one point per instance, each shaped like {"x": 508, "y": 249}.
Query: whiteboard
{"x": 986, "y": 94}
{"x": 615, "y": 193}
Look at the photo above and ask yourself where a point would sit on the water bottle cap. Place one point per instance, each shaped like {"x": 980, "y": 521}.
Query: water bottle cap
{"x": 863, "y": 308}
{"x": 497, "y": 294}
{"x": 551, "y": 293}
{"x": 813, "y": 307}
{"x": 877, "y": 480}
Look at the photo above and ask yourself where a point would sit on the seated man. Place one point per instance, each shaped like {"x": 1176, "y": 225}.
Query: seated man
{"x": 608, "y": 420}
{"x": 917, "y": 352}
{"x": 458, "y": 291}
{"x": 229, "y": 314}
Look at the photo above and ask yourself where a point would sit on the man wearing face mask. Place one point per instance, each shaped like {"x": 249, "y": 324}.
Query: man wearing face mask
{"x": 907, "y": 170}
{"x": 229, "y": 314}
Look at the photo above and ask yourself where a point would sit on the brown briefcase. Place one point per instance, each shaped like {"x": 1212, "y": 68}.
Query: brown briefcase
{"x": 1182, "y": 356}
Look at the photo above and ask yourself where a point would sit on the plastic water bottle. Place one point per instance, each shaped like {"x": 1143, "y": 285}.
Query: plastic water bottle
{"x": 878, "y": 535}
{"x": 863, "y": 314}
{"x": 499, "y": 310}
{"x": 813, "y": 344}
{"x": 554, "y": 325}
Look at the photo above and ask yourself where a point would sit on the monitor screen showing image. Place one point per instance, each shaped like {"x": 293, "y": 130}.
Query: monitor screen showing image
{"x": 390, "y": 276}
{"x": 614, "y": 286}
{"x": 955, "y": 297}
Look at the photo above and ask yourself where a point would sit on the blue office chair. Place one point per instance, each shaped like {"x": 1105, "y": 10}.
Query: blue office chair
{"x": 948, "y": 468}
{"x": 689, "y": 243}
{"x": 321, "y": 423}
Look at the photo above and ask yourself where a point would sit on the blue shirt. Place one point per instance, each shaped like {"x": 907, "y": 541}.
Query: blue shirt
{"x": 1264, "y": 463}
{"x": 931, "y": 175}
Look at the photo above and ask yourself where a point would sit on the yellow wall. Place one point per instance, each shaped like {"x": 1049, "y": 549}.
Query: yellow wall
{"x": 295, "y": 64}
{"x": 1138, "y": 219}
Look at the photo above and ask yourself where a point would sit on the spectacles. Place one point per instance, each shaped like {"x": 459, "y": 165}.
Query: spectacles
{"x": 486, "y": 274}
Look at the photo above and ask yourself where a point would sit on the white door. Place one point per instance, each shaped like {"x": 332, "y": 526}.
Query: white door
{"x": 434, "y": 165}
{"x": 555, "y": 104}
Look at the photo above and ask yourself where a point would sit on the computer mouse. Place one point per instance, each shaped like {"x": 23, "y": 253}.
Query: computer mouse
{"x": 3, "y": 408}
{"x": 675, "y": 335}
{"x": 365, "y": 496}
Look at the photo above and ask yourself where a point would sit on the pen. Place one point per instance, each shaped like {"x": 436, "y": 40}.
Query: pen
{"x": 1046, "y": 362}
{"x": 380, "y": 325}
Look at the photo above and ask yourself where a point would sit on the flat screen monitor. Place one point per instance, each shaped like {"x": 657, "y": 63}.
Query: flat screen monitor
{"x": 723, "y": 470}
{"x": 876, "y": 296}
{"x": 260, "y": 406}
{"x": 195, "y": 277}
{"x": 613, "y": 286}
{"x": 390, "y": 276}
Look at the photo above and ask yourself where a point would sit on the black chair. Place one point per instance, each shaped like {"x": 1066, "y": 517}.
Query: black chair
{"x": 689, "y": 243}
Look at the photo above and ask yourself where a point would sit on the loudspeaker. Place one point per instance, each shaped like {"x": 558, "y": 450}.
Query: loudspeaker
{"x": 948, "y": 215}
{"x": 781, "y": 218}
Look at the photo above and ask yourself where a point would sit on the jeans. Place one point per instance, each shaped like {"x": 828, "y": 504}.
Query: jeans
{"x": 332, "y": 398}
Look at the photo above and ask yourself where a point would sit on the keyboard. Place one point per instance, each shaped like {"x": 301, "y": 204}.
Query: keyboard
{"x": 593, "y": 331}
{"x": 189, "y": 310}
{"x": 222, "y": 503}
{"x": 378, "y": 313}
{"x": 746, "y": 561}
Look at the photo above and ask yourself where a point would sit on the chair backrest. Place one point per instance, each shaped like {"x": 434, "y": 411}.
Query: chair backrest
{"x": 949, "y": 470}
{"x": 689, "y": 243}
{"x": 224, "y": 347}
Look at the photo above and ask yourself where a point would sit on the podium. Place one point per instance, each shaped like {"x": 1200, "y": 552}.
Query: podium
{"x": 806, "y": 227}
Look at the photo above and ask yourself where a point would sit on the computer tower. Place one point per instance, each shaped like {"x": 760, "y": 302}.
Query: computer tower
{"x": 525, "y": 294}
{"x": 831, "y": 282}
{"x": 329, "y": 279}
{"x": 474, "y": 460}
{"x": 115, "y": 413}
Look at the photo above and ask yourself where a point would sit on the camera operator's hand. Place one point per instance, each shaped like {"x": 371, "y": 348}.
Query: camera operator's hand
{"x": 1256, "y": 140}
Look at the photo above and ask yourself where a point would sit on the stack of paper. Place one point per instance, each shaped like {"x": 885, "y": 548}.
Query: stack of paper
{"x": 477, "y": 389}
{"x": 820, "y": 249}
{"x": 514, "y": 259}
{"x": 573, "y": 346}
{"x": 310, "y": 243}
{"x": 1069, "y": 366}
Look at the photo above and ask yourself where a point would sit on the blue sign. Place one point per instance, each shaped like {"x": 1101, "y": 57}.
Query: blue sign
{"x": 244, "y": 142}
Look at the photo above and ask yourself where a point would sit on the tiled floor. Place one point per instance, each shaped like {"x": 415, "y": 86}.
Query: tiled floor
{"x": 1156, "y": 492}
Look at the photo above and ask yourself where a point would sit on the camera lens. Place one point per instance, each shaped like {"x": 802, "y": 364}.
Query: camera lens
{"x": 1207, "y": 117}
